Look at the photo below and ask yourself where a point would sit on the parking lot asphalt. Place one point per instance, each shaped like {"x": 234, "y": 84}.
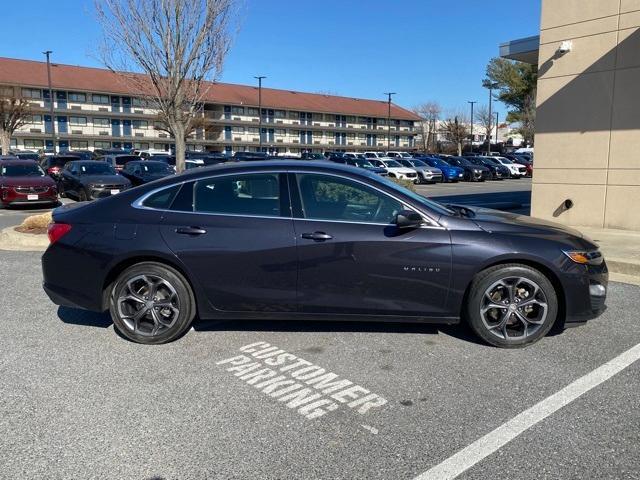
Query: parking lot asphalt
{"x": 79, "y": 401}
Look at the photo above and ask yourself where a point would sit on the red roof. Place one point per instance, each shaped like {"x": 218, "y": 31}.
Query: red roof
{"x": 69, "y": 77}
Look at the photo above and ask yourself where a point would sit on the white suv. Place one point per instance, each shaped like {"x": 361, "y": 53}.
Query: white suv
{"x": 395, "y": 169}
{"x": 396, "y": 154}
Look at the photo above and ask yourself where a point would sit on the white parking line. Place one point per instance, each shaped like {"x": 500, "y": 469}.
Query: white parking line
{"x": 493, "y": 441}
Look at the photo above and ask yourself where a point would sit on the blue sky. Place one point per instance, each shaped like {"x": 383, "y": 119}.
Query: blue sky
{"x": 422, "y": 49}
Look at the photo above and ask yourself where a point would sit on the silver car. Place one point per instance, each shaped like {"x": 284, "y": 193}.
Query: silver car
{"x": 426, "y": 173}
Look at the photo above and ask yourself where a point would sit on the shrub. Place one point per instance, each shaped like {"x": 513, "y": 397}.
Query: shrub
{"x": 408, "y": 184}
{"x": 35, "y": 223}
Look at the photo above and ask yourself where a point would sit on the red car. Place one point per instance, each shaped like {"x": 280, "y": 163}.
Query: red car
{"x": 24, "y": 182}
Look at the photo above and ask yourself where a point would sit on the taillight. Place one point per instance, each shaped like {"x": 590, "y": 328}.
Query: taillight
{"x": 56, "y": 231}
{"x": 53, "y": 170}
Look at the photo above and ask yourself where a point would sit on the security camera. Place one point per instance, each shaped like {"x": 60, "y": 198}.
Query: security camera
{"x": 564, "y": 47}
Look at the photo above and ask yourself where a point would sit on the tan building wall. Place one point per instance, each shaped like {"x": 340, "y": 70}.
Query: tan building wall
{"x": 587, "y": 145}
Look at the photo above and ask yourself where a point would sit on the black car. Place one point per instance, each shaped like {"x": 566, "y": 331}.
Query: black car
{"x": 315, "y": 241}
{"x": 90, "y": 179}
{"x": 83, "y": 154}
{"x": 54, "y": 165}
{"x": 472, "y": 172}
{"x": 27, "y": 155}
{"x": 313, "y": 156}
{"x": 144, "y": 171}
{"x": 119, "y": 161}
{"x": 249, "y": 156}
{"x": 498, "y": 171}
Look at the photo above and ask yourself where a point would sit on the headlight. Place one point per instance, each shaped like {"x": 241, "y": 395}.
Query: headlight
{"x": 476, "y": 170}
{"x": 592, "y": 257}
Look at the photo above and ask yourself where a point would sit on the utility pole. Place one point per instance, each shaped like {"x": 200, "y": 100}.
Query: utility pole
{"x": 53, "y": 119}
{"x": 388, "y": 94}
{"x": 471, "y": 142}
{"x": 497, "y": 128}
{"x": 260, "y": 110}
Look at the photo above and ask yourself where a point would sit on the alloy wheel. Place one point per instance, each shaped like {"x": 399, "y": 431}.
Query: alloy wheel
{"x": 514, "y": 308}
{"x": 148, "y": 305}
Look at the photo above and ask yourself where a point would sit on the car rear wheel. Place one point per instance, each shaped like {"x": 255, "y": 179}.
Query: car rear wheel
{"x": 61, "y": 192}
{"x": 82, "y": 195}
{"x": 151, "y": 303}
{"x": 511, "y": 306}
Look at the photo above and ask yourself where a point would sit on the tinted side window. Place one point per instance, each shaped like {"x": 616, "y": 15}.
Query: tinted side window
{"x": 327, "y": 197}
{"x": 251, "y": 194}
{"x": 162, "y": 199}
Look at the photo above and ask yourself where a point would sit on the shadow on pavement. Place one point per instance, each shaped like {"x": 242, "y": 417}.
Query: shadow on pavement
{"x": 75, "y": 316}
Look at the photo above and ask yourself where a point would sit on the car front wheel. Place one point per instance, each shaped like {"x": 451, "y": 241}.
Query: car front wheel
{"x": 151, "y": 303}
{"x": 511, "y": 305}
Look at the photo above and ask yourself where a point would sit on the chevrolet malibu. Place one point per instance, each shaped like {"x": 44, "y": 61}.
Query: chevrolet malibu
{"x": 315, "y": 241}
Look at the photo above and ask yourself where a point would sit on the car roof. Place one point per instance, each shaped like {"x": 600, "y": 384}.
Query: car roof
{"x": 88, "y": 162}
{"x": 15, "y": 161}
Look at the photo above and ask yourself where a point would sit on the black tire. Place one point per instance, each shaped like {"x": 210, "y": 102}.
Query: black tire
{"x": 489, "y": 277}
{"x": 82, "y": 195}
{"x": 184, "y": 302}
{"x": 61, "y": 193}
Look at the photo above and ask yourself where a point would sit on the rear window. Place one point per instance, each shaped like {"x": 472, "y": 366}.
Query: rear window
{"x": 123, "y": 159}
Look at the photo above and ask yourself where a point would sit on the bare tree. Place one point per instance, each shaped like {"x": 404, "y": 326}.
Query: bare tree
{"x": 456, "y": 131}
{"x": 14, "y": 113}
{"x": 429, "y": 112}
{"x": 179, "y": 46}
{"x": 485, "y": 119}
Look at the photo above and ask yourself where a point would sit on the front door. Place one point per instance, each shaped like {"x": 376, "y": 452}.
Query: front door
{"x": 352, "y": 259}
{"x": 234, "y": 234}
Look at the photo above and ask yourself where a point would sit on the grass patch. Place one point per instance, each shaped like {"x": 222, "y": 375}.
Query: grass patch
{"x": 35, "y": 224}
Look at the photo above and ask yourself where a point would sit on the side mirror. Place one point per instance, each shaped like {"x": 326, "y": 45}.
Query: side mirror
{"x": 408, "y": 219}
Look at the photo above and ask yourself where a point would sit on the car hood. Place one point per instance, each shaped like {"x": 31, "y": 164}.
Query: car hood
{"x": 497, "y": 221}
{"x": 401, "y": 169}
{"x": 27, "y": 181}
{"x": 107, "y": 179}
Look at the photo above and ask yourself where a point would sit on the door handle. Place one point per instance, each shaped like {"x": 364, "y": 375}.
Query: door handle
{"x": 317, "y": 236}
{"x": 191, "y": 230}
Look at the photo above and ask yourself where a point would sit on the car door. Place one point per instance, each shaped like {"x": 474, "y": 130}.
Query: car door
{"x": 234, "y": 233}
{"x": 69, "y": 179}
{"x": 352, "y": 259}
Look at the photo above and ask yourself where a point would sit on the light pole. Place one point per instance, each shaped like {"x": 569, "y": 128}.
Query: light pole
{"x": 260, "y": 110}
{"x": 490, "y": 85}
{"x": 497, "y": 128}
{"x": 388, "y": 94}
{"x": 53, "y": 120}
{"x": 471, "y": 143}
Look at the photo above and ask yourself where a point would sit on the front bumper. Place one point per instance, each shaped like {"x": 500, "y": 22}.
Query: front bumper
{"x": 11, "y": 198}
{"x": 430, "y": 177}
{"x": 96, "y": 192}
{"x": 585, "y": 293}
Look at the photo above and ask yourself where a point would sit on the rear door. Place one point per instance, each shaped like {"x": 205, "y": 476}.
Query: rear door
{"x": 234, "y": 233}
{"x": 352, "y": 259}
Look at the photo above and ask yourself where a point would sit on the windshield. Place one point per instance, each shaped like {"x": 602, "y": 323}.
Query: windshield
{"x": 435, "y": 206}
{"x": 155, "y": 168}
{"x": 417, "y": 163}
{"x": 362, "y": 163}
{"x": 22, "y": 171}
{"x": 505, "y": 161}
{"x": 97, "y": 168}
{"x": 405, "y": 155}
{"x": 28, "y": 156}
{"x": 392, "y": 164}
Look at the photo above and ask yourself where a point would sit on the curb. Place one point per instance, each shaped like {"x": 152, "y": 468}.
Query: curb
{"x": 28, "y": 242}
{"x": 625, "y": 267}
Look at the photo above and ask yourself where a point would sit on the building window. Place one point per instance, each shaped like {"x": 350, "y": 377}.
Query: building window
{"x": 237, "y": 110}
{"x": 31, "y": 143}
{"x": 7, "y": 91}
{"x": 280, "y": 114}
{"x": 101, "y": 122}
{"x": 79, "y": 144}
{"x": 102, "y": 99}
{"x": 140, "y": 124}
{"x": 98, "y": 144}
{"x": 78, "y": 121}
{"x": 31, "y": 93}
{"x": 238, "y": 130}
{"x": 34, "y": 119}
{"x": 141, "y": 146}
{"x": 77, "y": 97}
{"x": 252, "y": 112}
{"x": 253, "y": 131}
{"x": 139, "y": 102}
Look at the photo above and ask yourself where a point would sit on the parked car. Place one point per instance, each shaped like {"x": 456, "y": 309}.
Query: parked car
{"x": 426, "y": 173}
{"x": 516, "y": 170}
{"x": 472, "y": 172}
{"x": 119, "y": 161}
{"x": 498, "y": 171}
{"x": 213, "y": 242}
{"x": 397, "y": 154}
{"x": 27, "y": 155}
{"x": 24, "y": 182}
{"x": 449, "y": 172}
{"x": 91, "y": 179}
{"x": 83, "y": 154}
{"x": 522, "y": 160}
{"x": 375, "y": 155}
{"x": 360, "y": 163}
{"x": 395, "y": 169}
{"x": 249, "y": 156}
{"x": 144, "y": 171}
{"x": 54, "y": 164}
{"x": 313, "y": 156}
{"x": 101, "y": 152}
{"x": 146, "y": 154}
